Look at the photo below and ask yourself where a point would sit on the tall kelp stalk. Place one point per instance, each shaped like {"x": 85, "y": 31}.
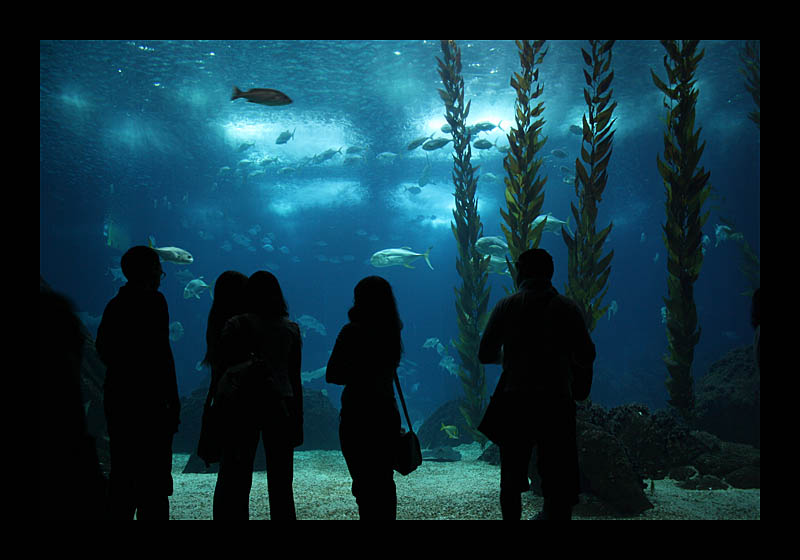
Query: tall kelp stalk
{"x": 473, "y": 296}
{"x": 524, "y": 189}
{"x": 686, "y": 191}
{"x": 751, "y": 58}
{"x": 587, "y": 270}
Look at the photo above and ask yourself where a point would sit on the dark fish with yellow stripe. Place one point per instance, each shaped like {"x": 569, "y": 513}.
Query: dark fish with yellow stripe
{"x": 262, "y": 96}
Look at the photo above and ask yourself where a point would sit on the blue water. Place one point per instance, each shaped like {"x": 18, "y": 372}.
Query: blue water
{"x": 139, "y": 133}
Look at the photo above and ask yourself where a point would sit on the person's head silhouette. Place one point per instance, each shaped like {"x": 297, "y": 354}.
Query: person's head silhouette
{"x": 264, "y": 297}
{"x": 535, "y": 264}
{"x": 142, "y": 267}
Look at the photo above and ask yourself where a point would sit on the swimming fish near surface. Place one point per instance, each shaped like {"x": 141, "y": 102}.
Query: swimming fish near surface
{"x": 403, "y": 256}
{"x": 262, "y": 96}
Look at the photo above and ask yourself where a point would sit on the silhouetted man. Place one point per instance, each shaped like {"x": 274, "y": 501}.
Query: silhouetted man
{"x": 141, "y": 390}
{"x": 540, "y": 338}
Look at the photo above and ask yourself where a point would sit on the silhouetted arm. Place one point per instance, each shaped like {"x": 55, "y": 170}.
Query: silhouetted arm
{"x": 583, "y": 350}
{"x": 295, "y": 378}
{"x": 490, "y": 351}
{"x": 340, "y": 364}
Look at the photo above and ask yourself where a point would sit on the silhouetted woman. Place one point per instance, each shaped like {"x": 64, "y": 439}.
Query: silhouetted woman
{"x": 364, "y": 360}
{"x": 255, "y": 411}
{"x": 228, "y": 301}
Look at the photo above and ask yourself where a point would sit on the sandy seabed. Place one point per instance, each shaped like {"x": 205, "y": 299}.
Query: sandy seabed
{"x": 466, "y": 489}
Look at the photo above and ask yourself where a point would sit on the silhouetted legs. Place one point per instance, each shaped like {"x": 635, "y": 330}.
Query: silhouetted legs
{"x": 370, "y": 457}
{"x": 235, "y": 478}
{"x": 557, "y": 464}
{"x": 141, "y": 474}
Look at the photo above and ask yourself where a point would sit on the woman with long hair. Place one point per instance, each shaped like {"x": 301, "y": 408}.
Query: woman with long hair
{"x": 266, "y": 405}
{"x": 364, "y": 360}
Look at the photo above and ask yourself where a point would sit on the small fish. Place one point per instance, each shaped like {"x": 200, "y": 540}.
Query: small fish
{"x": 414, "y": 189}
{"x": 195, "y": 287}
{"x": 417, "y": 142}
{"x": 482, "y": 144}
{"x": 612, "y": 309}
{"x": 451, "y": 431}
{"x": 244, "y": 146}
{"x": 431, "y": 342}
{"x": 559, "y": 153}
{"x": 435, "y": 144}
{"x": 643, "y": 238}
{"x": 724, "y": 233}
{"x": 326, "y": 155}
{"x": 262, "y": 96}
{"x": 175, "y": 331}
{"x": 485, "y": 126}
{"x": 387, "y": 156}
{"x": 575, "y": 129}
{"x": 285, "y": 136}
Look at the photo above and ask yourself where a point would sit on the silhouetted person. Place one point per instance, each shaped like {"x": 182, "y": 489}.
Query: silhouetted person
{"x": 71, "y": 484}
{"x": 229, "y": 300}
{"x": 255, "y": 412}
{"x": 141, "y": 390}
{"x": 364, "y": 359}
{"x": 538, "y": 335}
{"x": 755, "y": 321}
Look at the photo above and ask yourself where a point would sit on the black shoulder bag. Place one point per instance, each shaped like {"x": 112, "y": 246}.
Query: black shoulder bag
{"x": 409, "y": 455}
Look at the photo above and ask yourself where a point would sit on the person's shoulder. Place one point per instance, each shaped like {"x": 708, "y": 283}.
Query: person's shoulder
{"x": 291, "y": 326}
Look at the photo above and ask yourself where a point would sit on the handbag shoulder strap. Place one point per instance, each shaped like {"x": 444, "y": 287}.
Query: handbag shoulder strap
{"x": 402, "y": 400}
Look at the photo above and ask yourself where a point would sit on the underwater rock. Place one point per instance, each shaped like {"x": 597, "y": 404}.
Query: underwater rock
{"x": 682, "y": 473}
{"x": 608, "y": 473}
{"x": 728, "y": 398}
{"x": 738, "y": 463}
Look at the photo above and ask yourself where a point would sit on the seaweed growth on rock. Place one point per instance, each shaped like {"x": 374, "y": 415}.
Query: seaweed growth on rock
{"x": 686, "y": 191}
{"x": 524, "y": 194}
{"x": 587, "y": 270}
{"x": 473, "y": 296}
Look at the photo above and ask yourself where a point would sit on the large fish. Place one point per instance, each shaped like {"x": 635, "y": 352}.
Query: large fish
{"x": 403, "y": 256}
{"x": 492, "y": 245}
{"x": 171, "y": 254}
{"x": 552, "y": 224}
{"x": 262, "y": 96}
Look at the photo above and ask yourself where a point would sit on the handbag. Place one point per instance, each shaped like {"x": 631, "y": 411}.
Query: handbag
{"x": 409, "y": 454}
